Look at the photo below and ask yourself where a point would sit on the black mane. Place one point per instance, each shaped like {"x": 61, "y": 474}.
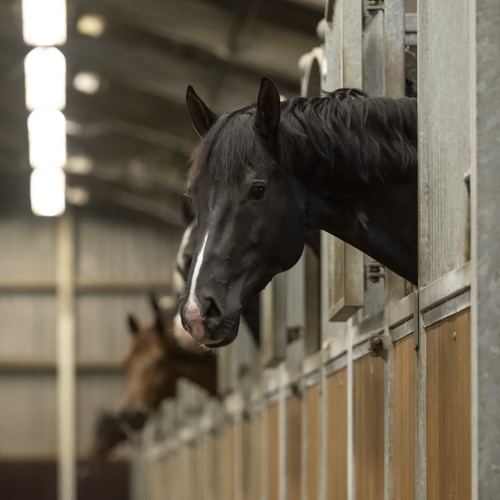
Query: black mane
{"x": 343, "y": 134}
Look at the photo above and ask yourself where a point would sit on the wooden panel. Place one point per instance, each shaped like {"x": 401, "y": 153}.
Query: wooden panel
{"x": 155, "y": 475}
{"x": 293, "y": 447}
{"x": 225, "y": 468}
{"x": 208, "y": 467}
{"x": 246, "y": 450}
{"x": 337, "y": 436}
{"x": 199, "y": 491}
{"x": 313, "y": 437}
{"x": 369, "y": 428}
{"x": 256, "y": 456}
{"x": 273, "y": 451}
{"x": 220, "y": 471}
{"x": 449, "y": 409}
{"x": 404, "y": 418}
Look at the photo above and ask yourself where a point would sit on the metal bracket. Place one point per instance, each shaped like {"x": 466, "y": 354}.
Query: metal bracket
{"x": 375, "y": 271}
{"x": 376, "y": 346}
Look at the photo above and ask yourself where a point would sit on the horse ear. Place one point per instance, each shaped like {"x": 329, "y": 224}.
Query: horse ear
{"x": 133, "y": 324}
{"x": 158, "y": 315}
{"x": 202, "y": 117}
{"x": 267, "y": 116}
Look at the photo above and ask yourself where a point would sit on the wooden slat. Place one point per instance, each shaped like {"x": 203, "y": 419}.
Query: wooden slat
{"x": 337, "y": 436}
{"x": 273, "y": 451}
{"x": 208, "y": 467}
{"x": 313, "y": 437}
{"x": 293, "y": 447}
{"x": 449, "y": 409}
{"x": 404, "y": 418}
{"x": 369, "y": 428}
{"x": 220, "y": 469}
{"x": 256, "y": 456}
{"x": 246, "y": 449}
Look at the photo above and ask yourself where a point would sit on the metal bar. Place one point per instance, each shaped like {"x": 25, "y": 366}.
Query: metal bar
{"x": 35, "y": 366}
{"x": 445, "y": 288}
{"x": 66, "y": 375}
{"x": 447, "y": 309}
{"x": 485, "y": 211}
{"x": 394, "y": 53}
{"x": 87, "y": 287}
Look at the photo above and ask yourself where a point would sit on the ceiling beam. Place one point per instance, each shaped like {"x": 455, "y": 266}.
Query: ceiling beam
{"x": 263, "y": 47}
{"x": 105, "y": 192}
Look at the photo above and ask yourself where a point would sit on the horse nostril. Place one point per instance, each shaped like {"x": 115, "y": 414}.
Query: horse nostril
{"x": 210, "y": 309}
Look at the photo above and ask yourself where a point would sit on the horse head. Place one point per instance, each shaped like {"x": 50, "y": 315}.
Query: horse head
{"x": 249, "y": 229}
{"x": 265, "y": 175}
{"x": 148, "y": 378}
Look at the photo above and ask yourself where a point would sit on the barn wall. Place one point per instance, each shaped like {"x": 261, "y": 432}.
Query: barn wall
{"x": 119, "y": 259}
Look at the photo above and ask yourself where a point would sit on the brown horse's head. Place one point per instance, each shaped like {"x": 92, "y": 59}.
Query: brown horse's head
{"x": 148, "y": 379}
{"x": 158, "y": 355}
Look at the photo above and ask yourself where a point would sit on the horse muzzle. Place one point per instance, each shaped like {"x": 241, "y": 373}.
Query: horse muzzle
{"x": 207, "y": 323}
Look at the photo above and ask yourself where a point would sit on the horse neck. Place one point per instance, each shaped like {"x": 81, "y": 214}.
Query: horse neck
{"x": 377, "y": 215}
{"x": 203, "y": 374}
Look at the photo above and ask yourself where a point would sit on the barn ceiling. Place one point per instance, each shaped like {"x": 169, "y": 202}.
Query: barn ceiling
{"x": 135, "y": 130}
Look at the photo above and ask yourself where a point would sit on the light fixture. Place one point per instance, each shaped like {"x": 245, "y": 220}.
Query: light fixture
{"x": 44, "y": 22}
{"x": 48, "y": 192}
{"x": 45, "y": 75}
{"x": 87, "y": 82}
{"x": 77, "y": 195}
{"x": 79, "y": 164}
{"x": 47, "y": 139}
{"x": 91, "y": 25}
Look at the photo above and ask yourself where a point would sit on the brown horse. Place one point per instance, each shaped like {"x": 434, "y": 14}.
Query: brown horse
{"x": 156, "y": 359}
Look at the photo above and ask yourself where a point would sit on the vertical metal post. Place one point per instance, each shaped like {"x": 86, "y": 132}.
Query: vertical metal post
{"x": 485, "y": 213}
{"x": 66, "y": 376}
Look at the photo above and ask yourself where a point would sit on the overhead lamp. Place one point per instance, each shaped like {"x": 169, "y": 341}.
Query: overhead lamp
{"x": 45, "y": 75}
{"x": 87, "y": 82}
{"x": 79, "y": 164}
{"x": 48, "y": 192}
{"x": 91, "y": 25}
{"x": 77, "y": 195}
{"x": 44, "y": 22}
{"x": 47, "y": 139}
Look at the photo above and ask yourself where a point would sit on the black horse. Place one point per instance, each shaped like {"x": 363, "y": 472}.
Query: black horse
{"x": 251, "y": 310}
{"x": 266, "y": 174}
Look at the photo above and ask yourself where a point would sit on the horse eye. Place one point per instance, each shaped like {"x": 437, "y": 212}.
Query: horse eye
{"x": 257, "y": 193}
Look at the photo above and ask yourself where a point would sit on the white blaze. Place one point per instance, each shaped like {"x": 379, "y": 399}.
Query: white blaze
{"x": 193, "y": 312}
{"x": 184, "y": 242}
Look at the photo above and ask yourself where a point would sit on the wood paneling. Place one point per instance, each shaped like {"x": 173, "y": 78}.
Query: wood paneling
{"x": 449, "y": 409}
{"x": 369, "y": 428}
{"x": 208, "y": 466}
{"x": 313, "y": 437}
{"x": 273, "y": 451}
{"x": 256, "y": 456}
{"x": 293, "y": 447}
{"x": 246, "y": 449}
{"x": 404, "y": 419}
{"x": 225, "y": 466}
{"x": 336, "y": 387}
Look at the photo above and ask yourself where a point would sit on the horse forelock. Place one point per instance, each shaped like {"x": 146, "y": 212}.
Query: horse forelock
{"x": 226, "y": 150}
